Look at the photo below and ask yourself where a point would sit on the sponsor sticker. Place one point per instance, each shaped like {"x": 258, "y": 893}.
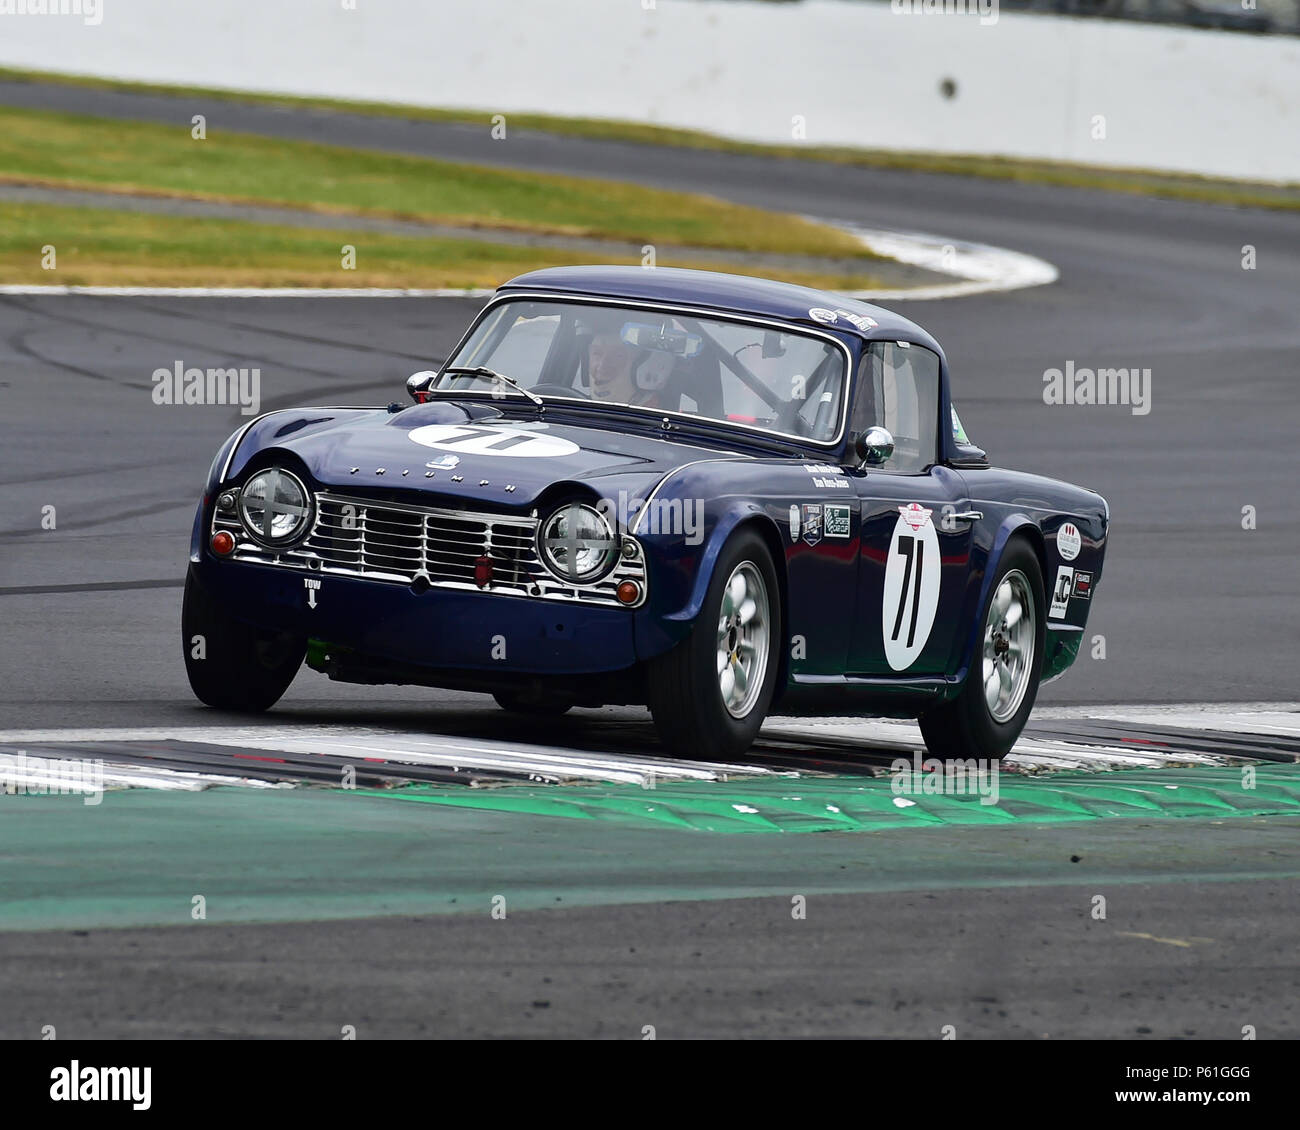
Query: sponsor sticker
{"x": 837, "y": 520}
{"x": 1062, "y": 590}
{"x": 821, "y": 469}
{"x": 830, "y": 484}
{"x": 821, "y": 314}
{"x": 1068, "y": 541}
{"x": 915, "y": 515}
{"x": 811, "y": 522}
{"x": 1082, "y": 585}
{"x": 860, "y": 320}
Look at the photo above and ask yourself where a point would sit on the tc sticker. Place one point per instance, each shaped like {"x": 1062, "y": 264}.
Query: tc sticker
{"x": 1068, "y": 542}
{"x": 1082, "y": 585}
{"x": 1061, "y": 592}
{"x": 911, "y": 587}
{"x": 471, "y": 439}
{"x": 837, "y": 521}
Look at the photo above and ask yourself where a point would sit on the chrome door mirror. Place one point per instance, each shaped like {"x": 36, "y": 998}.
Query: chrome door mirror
{"x": 419, "y": 384}
{"x": 874, "y": 446}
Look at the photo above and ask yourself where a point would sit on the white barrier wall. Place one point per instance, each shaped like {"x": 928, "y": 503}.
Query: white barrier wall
{"x": 1100, "y": 92}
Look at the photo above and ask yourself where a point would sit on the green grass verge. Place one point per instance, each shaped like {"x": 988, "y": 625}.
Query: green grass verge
{"x": 1061, "y": 173}
{"x": 143, "y": 157}
{"x": 101, "y": 247}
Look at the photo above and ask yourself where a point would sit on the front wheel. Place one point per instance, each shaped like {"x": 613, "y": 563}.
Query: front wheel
{"x": 234, "y": 666}
{"x": 986, "y": 718}
{"x": 710, "y": 693}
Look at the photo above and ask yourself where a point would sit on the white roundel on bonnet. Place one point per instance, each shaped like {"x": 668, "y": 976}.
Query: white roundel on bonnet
{"x": 911, "y": 587}
{"x": 473, "y": 439}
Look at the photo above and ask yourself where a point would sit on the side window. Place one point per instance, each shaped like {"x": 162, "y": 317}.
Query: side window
{"x": 898, "y": 389}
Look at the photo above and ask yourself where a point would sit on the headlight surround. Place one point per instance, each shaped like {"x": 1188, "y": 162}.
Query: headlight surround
{"x": 578, "y": 544}
{"x": 275, "y": 507}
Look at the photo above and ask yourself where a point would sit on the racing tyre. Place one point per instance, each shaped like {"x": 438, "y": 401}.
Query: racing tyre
{"x": 242, "y": 668}
{"x": 710, "y": 693}
{"x": 986, "y": 718}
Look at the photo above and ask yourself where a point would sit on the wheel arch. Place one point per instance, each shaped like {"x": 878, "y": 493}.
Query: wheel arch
{"x": 1014, "y": 527}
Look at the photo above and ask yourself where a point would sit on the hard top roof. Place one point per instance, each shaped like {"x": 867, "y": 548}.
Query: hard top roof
{"x": 738, "y": 294}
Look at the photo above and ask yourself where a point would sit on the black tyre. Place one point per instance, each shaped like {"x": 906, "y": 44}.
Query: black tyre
{"x": 986, "y": 718}
{"x": 710, "y": 693}
{"x": 536, "y": 708}
{"x": 234, "y": 666}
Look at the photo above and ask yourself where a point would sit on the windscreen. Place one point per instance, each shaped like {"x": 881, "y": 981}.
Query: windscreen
{"x": 731, "y": 372}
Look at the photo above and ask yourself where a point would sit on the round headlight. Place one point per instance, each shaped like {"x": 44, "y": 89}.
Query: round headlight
{"x": 275, "y": 507}
{"x": 578, "y": 544}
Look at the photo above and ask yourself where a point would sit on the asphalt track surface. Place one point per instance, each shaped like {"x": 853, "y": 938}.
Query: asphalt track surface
{"x": 1193, "y": 608}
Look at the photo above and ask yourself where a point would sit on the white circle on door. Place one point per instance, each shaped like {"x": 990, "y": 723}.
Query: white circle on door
{"x": 911, "y": 587}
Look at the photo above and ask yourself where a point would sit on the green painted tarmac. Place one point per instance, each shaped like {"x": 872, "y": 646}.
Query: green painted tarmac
{"x": 141, "y": 857}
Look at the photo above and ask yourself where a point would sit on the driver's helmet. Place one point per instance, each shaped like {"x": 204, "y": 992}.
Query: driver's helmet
{"x": 653, "y": 372}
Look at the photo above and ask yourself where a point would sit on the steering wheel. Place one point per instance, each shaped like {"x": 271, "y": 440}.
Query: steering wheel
{"x": 560, "y": 390}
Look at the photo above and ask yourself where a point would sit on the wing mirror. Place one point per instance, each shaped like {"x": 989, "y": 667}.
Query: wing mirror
{"x": 873, "y": 447}
{"x": 419, "y": 384}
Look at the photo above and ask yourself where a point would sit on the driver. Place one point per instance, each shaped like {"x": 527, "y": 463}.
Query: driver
{"x": 623, "y": 373}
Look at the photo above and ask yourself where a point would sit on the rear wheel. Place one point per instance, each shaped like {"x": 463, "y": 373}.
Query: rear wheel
{"x": 710, "y": 693}
{"x": 234, "y": 666}
{"x": 986, "y": 718}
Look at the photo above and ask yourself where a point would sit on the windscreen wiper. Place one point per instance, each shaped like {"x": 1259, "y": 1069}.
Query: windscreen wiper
{"x": 492, "y": 374}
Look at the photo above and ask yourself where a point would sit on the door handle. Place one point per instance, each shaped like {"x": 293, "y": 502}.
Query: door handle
{"x": 966, "y": 516}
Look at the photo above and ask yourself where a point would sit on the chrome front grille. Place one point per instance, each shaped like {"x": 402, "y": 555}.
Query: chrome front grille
{"x": 398, "y": 543}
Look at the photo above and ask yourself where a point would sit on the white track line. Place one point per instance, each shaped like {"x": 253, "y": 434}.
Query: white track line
{"x": 981, "y": 267}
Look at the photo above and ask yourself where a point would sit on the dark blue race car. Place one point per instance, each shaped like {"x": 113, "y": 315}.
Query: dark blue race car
{"x": 717, "y": 496}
